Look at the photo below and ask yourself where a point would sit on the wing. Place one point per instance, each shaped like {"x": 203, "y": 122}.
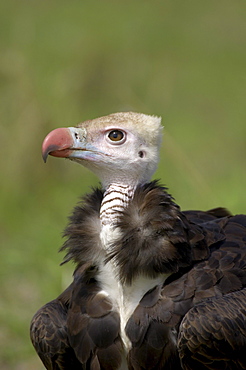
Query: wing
{"x": 152, "y": 334}
{"x": 155, "y": 324}
{"x": 49, "y": 335}
{"x": 201, "y": 216}
{"x": 213, "y": 334}
{"x": 79, "y": 329}
{"x": 92, "y": 323}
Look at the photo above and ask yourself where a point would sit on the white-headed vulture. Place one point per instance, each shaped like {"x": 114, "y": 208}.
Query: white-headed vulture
{"x": 154, "y": 287}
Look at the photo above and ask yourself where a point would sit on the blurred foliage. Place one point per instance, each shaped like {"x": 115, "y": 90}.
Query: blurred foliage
{"x": 65, "y": 62}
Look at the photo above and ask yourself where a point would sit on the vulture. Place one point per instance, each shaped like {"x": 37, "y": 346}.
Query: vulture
{"x": 154, "y": 287}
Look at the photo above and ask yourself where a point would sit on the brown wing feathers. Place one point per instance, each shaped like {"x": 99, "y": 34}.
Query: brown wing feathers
{"x": 50, "y": 336}
{"x": 93, "y": 324}
{"x": 205, "y": 254}
{"x": 213, "y": 334}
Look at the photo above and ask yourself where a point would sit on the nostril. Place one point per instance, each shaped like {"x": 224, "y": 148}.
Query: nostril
{"x": 76, "y": 135}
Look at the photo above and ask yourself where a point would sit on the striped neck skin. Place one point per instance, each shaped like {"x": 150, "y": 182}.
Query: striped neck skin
{"x": 115, "y": 199}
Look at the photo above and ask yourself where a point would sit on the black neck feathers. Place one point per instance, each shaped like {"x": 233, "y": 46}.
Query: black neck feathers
{"x": 155, "y": 236}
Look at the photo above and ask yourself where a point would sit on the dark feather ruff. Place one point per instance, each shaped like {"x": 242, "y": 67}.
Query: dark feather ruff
{"x": 155, "y": 237}
{"x": 83, "y": 230}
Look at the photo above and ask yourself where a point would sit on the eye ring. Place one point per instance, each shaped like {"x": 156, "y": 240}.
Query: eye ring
{"x": 116, "y": 136}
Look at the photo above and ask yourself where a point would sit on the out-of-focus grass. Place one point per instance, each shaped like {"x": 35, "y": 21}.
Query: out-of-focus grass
{"x": 63, "y": 62}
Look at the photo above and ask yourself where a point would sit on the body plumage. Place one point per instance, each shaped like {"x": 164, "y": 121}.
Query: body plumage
{"x": 153, "y": 288}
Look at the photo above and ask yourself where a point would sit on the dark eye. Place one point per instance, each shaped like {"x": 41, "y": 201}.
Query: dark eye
{"x": 116, "y": 135}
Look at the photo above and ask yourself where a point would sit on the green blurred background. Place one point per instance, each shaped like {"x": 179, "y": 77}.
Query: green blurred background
{"x": 64, "y": 62}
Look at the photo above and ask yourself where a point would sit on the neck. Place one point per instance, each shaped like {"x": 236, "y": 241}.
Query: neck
{"x": 115, "y": 199}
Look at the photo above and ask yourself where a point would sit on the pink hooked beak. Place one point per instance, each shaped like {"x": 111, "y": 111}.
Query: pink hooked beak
{"x": 58, "y": 143}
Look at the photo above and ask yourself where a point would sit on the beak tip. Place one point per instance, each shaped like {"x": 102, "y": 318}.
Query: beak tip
{"x": 44, "y": 156}
{"x": 45, "y": 152}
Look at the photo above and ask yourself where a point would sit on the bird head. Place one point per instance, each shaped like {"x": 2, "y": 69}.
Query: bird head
{"x": 119, "y": 148}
